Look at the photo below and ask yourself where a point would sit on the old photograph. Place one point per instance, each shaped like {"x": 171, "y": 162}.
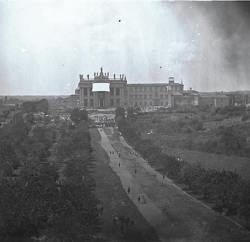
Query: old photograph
{"x": 124, "y": 121}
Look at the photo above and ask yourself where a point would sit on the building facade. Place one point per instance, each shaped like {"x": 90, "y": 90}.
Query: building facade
{"x": 105, "y": 91}
{"x": 102, "y": 91}
{"x": 218, "y": 100}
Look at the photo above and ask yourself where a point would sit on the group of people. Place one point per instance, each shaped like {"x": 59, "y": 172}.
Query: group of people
{"x": 133, "y": 153}
{"x": 111, "y": 152}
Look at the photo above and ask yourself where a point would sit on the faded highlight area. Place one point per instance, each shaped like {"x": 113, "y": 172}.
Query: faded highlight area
{"x": 46, "y": 44}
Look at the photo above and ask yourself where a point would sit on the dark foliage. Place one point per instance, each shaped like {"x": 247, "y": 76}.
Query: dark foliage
{"x": 36, "y": 106}
{"x": 42, "y": 200}
{"x": 78, "y": 115}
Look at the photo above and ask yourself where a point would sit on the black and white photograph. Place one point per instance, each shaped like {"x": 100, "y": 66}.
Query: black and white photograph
{"x": 124, "y": 121}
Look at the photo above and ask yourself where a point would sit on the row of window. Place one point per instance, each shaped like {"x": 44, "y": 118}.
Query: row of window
{"x": 162, "y": 89}
{"x": 147, "y": 103}
{"x": 144, "y": 89}
{"x": 147, "y": 96}
{"x": 91, "y": 103}
{"x": 117, "y": 91}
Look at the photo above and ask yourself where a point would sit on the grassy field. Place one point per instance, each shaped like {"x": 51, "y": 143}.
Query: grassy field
{"x": 176, "y": 135}
{"x": 115, "y": 201}
{"x": 213, "y": 161}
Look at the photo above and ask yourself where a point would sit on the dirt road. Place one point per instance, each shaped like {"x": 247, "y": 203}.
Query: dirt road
{"x": 175, "y": 215}
{"x": 115, "y": 201}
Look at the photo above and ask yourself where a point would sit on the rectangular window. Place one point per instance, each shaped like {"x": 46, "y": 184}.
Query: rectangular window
{"x": 161, "y": 95}
{"x": 111, "y": 91}
{"x": 118, "y": 101}
{"x": 150, "y": 96}
{"x": 111, "y": 102}
{"x": 91, "y": 103}
{"x": 85, "y": 91}
{"x": 150, "y": 88}
{"x": 117, "y": 91}
{"x": 85, "y": 102}
{"x": 150, "y": 103}
{"x": 145, "y": 96}
{"x": 145, "y": 103}
{"x": 90, "y": 91}
{"x": 140, "y": 96}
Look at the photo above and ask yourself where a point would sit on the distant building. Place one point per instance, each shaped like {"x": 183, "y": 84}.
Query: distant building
{"x": 187, "y": 99}
{"x": 154, "y": 94}
{"x": 239, "y": 98}
{"x": 109, "y": 91}
{"x": 104, "y": 91}
{"x": 214, "y": 100}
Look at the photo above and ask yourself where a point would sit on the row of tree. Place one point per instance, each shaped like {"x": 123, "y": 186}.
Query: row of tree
{"x": 36, "y": 106}
{"x": 228, "y": 192}
{"x": 41, "y": 197}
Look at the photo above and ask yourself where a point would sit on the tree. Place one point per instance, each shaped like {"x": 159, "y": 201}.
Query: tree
{"x": 36, "y": 106}
{"x": 78, "y": 115}
{"x": 232, "y": 141}
{"x": 119, "y": 112}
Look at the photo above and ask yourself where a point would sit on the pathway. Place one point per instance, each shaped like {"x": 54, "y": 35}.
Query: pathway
{"x": 175, "y": 215}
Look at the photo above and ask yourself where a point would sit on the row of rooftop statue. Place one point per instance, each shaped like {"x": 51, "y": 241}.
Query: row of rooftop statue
{"x": 104, "y": 76}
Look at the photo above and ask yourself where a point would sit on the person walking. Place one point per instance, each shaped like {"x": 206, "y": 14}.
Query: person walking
{"x": 128, "y": 190}
{"x": 163, "y": 176}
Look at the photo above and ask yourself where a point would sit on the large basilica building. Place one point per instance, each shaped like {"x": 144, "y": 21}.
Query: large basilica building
{"x": 108, "y": 91}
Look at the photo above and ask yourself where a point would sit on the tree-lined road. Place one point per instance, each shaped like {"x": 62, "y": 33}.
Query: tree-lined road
{"x": 175, "y": 215}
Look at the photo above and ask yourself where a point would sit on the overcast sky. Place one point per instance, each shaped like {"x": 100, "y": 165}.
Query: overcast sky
{"x": 45, "y": 45}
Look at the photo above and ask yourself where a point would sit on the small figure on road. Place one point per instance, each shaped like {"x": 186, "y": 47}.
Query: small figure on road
{"x": 135, "y": 171}
{"x": 119, "y": 154}
{"x": 128, "y": 190}
{"x": 139, "y": 198}
{"x": 119, "y": 164}
{"x": 163, "y": 176}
